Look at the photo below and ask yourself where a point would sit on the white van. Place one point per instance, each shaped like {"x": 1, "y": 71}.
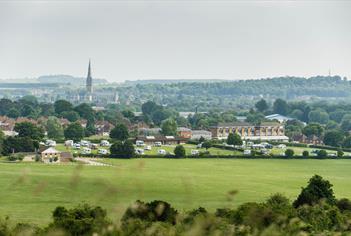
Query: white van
{"x": 247, "y": 152}
{"x": 50, "y": 143}
{"x": 84, "y": 143}
{"x": 147, "y": 148}
{"x": 158, "y": 144}
{"x": 140, "y": 143}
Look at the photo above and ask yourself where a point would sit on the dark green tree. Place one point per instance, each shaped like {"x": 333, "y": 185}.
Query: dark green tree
{"x": 81, "y": 220}
{"x": 289, "y": 153}
{"x": 27, "y": 129}
{"x": 234, "y": 139}
{"x": 322, "y": 154}
{"x": 261, "y": 105}
{"x": 54, "y": 128}
{"x": 120, "y": 132}
{"x": 74, "y": 131}
{"x": 333, "y": 138}
{"x": 317, "y": 189}
{"x": 72, "y": 116}
{"x": 313, "y": 129}
{"x": 305, "y": 153}
{"x": 121, "y": 149}
{"x": 179, "y": 151}
{"x": 62, "y": 105}
{"x": 169, "y": 127}
{"x": 85, "y": 111}
{"x": 280, "y": 106}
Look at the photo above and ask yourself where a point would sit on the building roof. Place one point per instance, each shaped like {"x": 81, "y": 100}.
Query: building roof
{"x": 183, "y": 129}
{"x": 278, "y": 117}
{"x": 50, "y": 150}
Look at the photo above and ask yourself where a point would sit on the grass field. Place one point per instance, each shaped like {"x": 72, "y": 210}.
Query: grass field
{"x": 30, "y": 191}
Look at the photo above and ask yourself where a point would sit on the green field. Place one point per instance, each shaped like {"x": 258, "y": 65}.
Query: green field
{"x": 30, "y": 191}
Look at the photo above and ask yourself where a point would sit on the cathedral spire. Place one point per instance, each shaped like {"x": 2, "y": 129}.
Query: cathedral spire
{"x": 89, "y": 82}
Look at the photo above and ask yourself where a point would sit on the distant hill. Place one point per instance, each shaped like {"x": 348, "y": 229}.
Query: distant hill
{"x": 67, "y": 79}
{"x": 171, "y": 81}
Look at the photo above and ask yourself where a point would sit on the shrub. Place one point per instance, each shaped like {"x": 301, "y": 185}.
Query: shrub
{"x": 322, "y": 154}
{"x": 305, "y": 153}
{"x": 151, "y": 211}
{"x": 179, "y": 151}
{"x": 82, "y": 220}
{"x": 317, "y": 189}
{"x": 289, "y": 153}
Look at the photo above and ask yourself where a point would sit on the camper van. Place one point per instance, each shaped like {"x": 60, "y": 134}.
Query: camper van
{"x": 86, "y": 151}
{"x": 102, "y": 151}
{"x": 104, "y": 143}
{"x": 140, "y": 143}
{"x": 247, "y": 152}
{"x": 158, "y": 144}
{"x": 139, "y": 151}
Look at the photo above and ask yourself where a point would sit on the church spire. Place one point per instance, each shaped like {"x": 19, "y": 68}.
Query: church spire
{"x": 89, "y": 82}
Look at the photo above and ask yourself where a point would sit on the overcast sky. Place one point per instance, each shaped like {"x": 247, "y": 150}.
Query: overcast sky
{"x": 175, "y": 39}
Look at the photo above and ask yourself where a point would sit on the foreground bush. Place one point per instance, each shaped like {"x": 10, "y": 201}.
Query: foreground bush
{"x": 315, "y": 212}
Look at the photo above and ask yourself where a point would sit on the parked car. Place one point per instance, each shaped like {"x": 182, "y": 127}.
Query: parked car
{"x": 162, "y": 152}
{"x": 139, "y": 143}
{"x": 147, "y": 148}
{"x": 281, "y": 146}
{"x": 76, "y": 145}
{"x": 102, "y": 151}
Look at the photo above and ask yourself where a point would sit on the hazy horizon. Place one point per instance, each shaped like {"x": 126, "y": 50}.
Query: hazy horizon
{"x": 142, "y": 40}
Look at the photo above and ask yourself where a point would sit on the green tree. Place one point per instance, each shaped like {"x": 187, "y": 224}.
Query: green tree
{"x": 179, "y": 151}
{"x": 121, "y": 149}
{"x": 313, "y": 129}
{"x": 206, "y": 144}
{"x": 120, "y": 132}
{"x": 72, "y": 116}
{"x": 317, "y": 189}
{"x": 280, "y": 106}
{"x": 54, "y": 128}
{"x": 261, "y": 105}
{"x": 90, "y": 128}
{"x": 305, "y": 153}
{"x": 234, "y": 139}
{"x": 169, "y": 127}
{"x": 149, "y": 107}
{"x": 318, "y": 116}
{"x": 333, "y": 138}
{"x": 74, "y": 131}
{"x": 85, "y": 111}
{"x": 340, "y": 153}
{"x": 19, "y": 144}
{"x": 13, "y": 113}
{"x": 289, "y": 153}
{"x": 347, "y": 142}
{"x": 27, "y": 129}
{"x": 346, "y": 123}
{"x": 322, "y": 154}
{"x": 81, "y": 220}
{"x": 62, "y": 105}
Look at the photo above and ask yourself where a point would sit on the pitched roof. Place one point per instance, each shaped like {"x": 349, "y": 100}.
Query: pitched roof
{"x": 50, "y": 150}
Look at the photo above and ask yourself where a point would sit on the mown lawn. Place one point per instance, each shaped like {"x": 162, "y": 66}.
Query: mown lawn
{"x": 30, "y": 192}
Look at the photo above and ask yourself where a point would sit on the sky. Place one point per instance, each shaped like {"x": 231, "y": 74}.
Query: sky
{"x": 133, "y": 40}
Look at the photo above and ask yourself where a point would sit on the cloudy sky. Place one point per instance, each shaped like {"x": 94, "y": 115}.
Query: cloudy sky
{"x": 130, "y": 40}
